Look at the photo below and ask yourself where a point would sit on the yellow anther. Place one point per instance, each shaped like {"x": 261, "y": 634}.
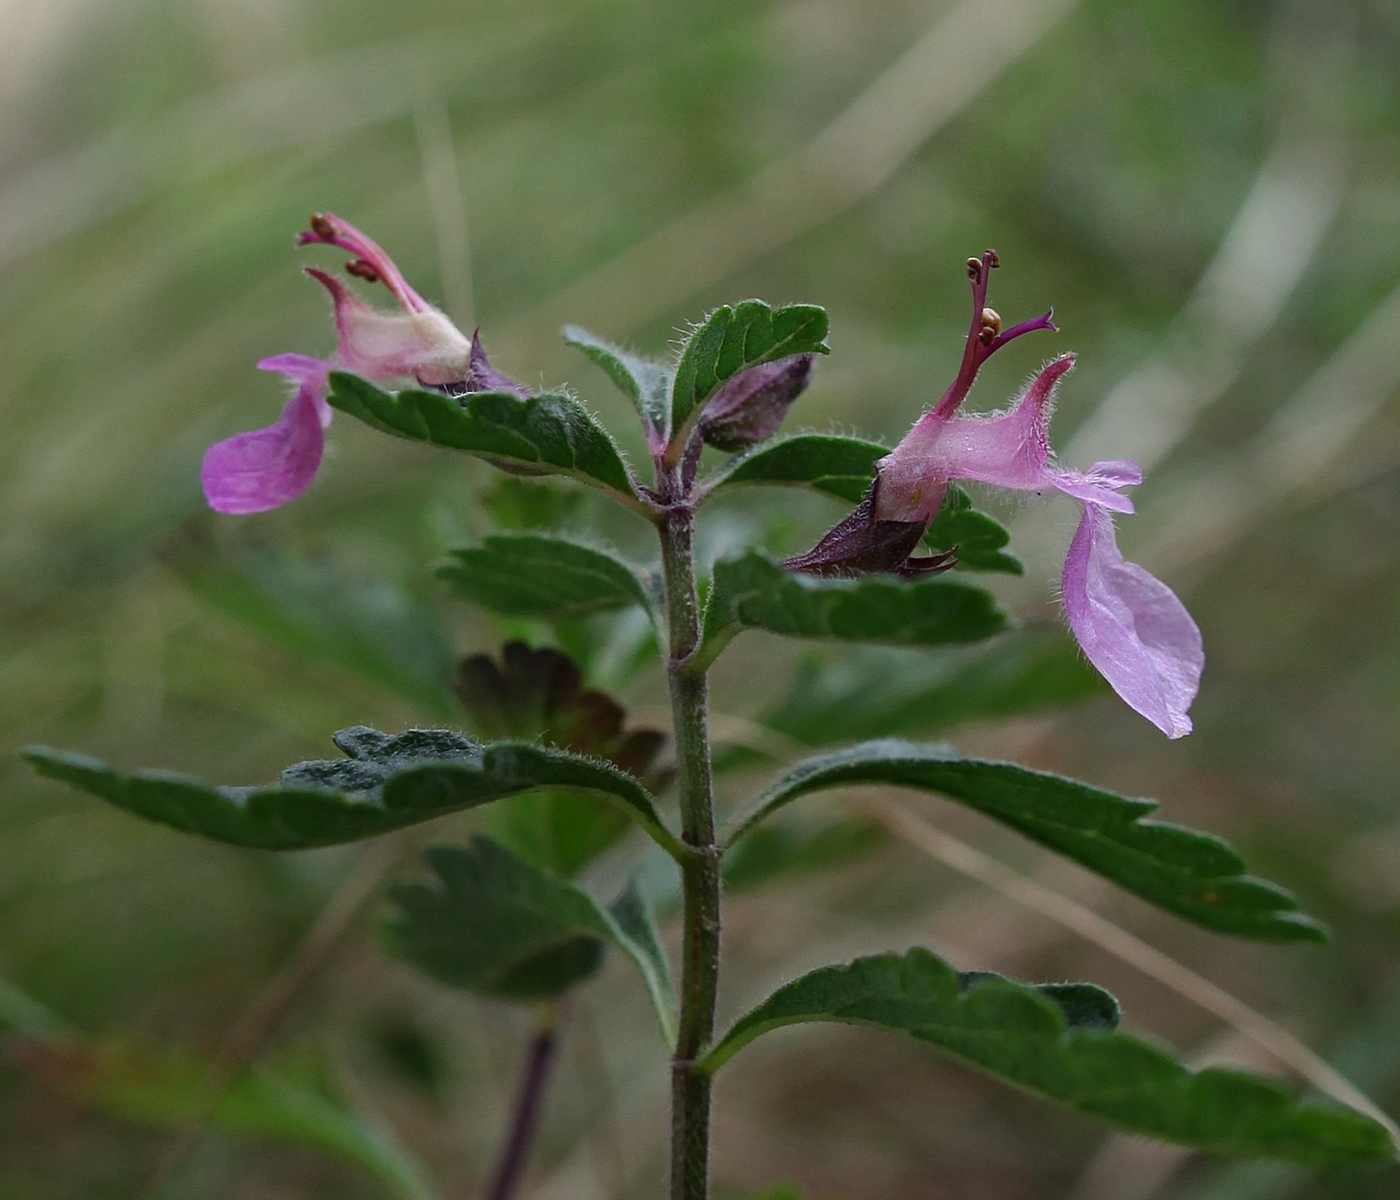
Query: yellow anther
{"x": 991, "y": 326}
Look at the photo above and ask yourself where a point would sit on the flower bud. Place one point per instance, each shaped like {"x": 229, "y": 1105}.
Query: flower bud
{"x": 750, "y": 408}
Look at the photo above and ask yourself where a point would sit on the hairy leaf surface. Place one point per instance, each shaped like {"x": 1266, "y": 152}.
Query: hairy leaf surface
{"x": 1195, "y": 875}
{"x": 754, "y": 592}
{"x": 1059, "y": 1041}
{"x": 385, "y": 783}
{"x": 645, "y": 381}
{"x": 542, "y": 435}
{"x": 732, "y": 339}
{"x": 532, "y": 575}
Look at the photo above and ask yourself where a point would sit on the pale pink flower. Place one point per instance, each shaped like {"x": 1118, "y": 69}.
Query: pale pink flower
{"x": 1131, "y": 626}
{"x": 256, "y": 471}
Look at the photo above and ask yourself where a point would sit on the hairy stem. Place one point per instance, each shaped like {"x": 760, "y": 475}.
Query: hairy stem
{"x": 690, "y": 1089}
{"x": 510, "y": 1167}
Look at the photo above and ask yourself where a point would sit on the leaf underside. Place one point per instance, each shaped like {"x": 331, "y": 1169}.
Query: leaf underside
{"x": 1059, "y": 1042}
{"x": 492, "y": 923}
{"x": 1194, "y": 875}
{"x": 385, "y": 783}
{"x": 542, "y": 435}
{"x": 754, "y": 592}
{"x": 532, "y": 575}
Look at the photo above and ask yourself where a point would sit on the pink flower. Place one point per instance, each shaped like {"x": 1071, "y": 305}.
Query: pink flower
{"x": 418, "y": 340}
{"x": 1131, "y": 626}
{"x": 253, "y": 472}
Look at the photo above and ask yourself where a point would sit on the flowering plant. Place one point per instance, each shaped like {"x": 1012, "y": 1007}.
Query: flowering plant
{"x": 514, "y": 915}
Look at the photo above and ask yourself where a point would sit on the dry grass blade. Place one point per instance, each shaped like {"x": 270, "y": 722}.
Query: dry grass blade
{"x": 443, "y": 183}
{"x": 1266, "y": 1034}
{"x": 1261, "y": 260}
{"x": 1295, "y": 456}
{"x": 937, "y": 77}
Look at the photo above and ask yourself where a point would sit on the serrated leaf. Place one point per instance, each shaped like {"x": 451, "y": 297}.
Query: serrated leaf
{"x": 729, "y": 341}
{"x": 169, "y": 1090}
{"x": 385, "y": 783}
{"x": 754, "y": 592}
{"x": 844, "y": 467}
{"x": 532, "y": 575}
{"x": 835, "y": 466}
{"x": 1195, "y": 875}
{"x": 1058, "y": 1042}
{"x": 492, "y": 923}
{"x": 542, "y": 435}
{"x": 374, "y": 628}
{"x": 872, "y": 691}
{"x": 645, "y": 381}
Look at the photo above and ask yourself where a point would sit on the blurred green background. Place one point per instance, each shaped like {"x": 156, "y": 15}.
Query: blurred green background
{"x": 1209, "y": 195}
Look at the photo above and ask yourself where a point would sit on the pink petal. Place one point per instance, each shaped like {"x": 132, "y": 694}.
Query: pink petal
{"x": 308, "y": 371}
{"x": 330, "y": 230}
{"x": 1088, "y": 489}
{"x": 1117, "y": 473}
{"x": 253, "y": 472}
{"x": 1132, "y": 627}
{"x": 383, "y": 346}
{"x": 1008, "y": 449}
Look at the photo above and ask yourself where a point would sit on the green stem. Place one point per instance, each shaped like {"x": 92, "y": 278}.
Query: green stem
{"x": 700, "y": 879}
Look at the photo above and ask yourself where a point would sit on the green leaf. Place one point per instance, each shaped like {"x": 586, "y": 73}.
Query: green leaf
{"x": 836, "y": 466}
{"x": 531, "y": 575}
{"x": 645, "y": 381}
{"x": 844, "y": 467}
{"x": 754, "y": 592}
{"x": 975, "y": 536}
{"x": 492, "y": 923}
{"x": 543, "y": 435}
{"x": 731, "y": 340}
{"x": 374, "y": 628}
{"x": 169, "y": 1090}
{"x": 636, "y": 923}
{"x": 384, "y": 784}
{"x": 1195, "y": 875}
{"x": 873, "y": 691}
{"x": 1058, "y": 1042}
